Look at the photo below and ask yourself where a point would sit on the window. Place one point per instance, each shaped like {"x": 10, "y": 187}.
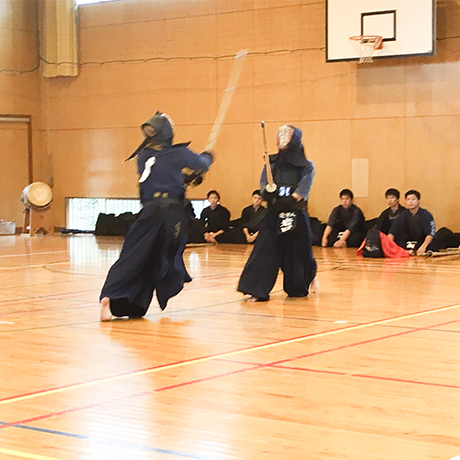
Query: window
{"x": 85, "y": 2}
{"x": 82, "y": 213}
{"x": 198, "y": 206}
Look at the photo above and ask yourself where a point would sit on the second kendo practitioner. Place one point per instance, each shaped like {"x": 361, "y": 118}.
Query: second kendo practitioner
{"x": 285, "y": 237}
{"x": 151, "y": 257}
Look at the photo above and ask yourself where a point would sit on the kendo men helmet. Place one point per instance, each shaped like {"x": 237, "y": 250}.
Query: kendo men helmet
{"x": 159, "y": 129}
{"x": 284, "y": 136}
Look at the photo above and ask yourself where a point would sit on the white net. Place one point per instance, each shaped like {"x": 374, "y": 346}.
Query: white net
{"x": 367, "y": 44}
{"x": 366, "y": 52}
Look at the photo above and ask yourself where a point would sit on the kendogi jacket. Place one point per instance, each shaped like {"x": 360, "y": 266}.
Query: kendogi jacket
{"x": 160, "y": 163}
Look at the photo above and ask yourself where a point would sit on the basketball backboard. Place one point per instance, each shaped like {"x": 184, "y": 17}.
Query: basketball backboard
{"x": 407, "y": 27}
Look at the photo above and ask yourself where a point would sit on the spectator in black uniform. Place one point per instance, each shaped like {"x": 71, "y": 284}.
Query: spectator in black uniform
{"x": 151, "y": 257}
{"x": 215, "y": 217}
{"x": 245, "y": 229}
{"x": 251, "y": 216}
{"x": 345, "y": 226}
{"x": 391, "y": 213}
{"x": 414, "y": 229}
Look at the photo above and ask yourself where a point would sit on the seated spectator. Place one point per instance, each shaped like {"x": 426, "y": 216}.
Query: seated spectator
{"x": 244, "y": 229}
{"x": 345, "y": 227}
{"x": 391, "y": 213}
{"x": 215, "y": 218}
{"x": 414, "y": 229}
{"x": 251, "y": 216}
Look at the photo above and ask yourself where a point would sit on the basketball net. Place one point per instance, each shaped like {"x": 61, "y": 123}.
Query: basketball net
{"x": 367, "y": 45}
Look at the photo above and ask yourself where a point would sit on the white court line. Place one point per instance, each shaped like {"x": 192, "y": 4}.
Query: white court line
{"x": 27, "y": 266}
{"x": 6, "y": 322}
{"x": 32, "y": 254}
{"x": 456, "y": 458}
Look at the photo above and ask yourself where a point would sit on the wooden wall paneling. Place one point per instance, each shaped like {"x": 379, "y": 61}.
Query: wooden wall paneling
{"x": 312, "y": 26}
{"x": 381, "y": 141}
{"x": 241, "y": 108}
{"x": 194, "y": 8}
{"x": 18, "y": 23}
{"x": 270, "y": 4}
{"x": 93, "y": 111}
{"x": 42, "y": 159}
{"x": 235, "y": 6}
{"x": 238, "y": 175}
{"x": 327, "y": 89}
{"x": 191, "y": 36}
{"x": 235, "y": 32}
{"x": 106, "y": 42}
{"x": 20, "y": 93}
{"x": 432, "y": 166}
{"x": 328, "y": 145}
{"x": 100, "y": 14}
{"x": 94, "y": 158}
{"x": 278, "y": 92}
{"x": 447, "y": 25}
{"x": 278, "y": 28}
{"x": 378, "y": 91}
{"x": 14, "y": 173}
{"x": 433, "y": 89}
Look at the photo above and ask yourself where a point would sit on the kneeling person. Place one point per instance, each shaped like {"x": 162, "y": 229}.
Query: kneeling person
{"x": 245, "y": 229}
{"x": 390, "y": 214}
{"x": 414, "y": 229}
{"x": 215, "y": 218}
{"x": 345, "y": 226}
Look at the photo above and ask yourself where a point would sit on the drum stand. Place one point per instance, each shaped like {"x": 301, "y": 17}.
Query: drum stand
{"x": 36, "y": 220}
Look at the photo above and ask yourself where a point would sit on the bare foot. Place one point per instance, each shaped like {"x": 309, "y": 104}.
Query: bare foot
{"x": 253, "y": 298}
{"x": 314, "y": 286}
{"x": 106, "y": 314}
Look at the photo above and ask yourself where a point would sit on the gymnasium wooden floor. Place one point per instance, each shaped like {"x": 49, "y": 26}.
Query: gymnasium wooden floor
{"x": 368, "y": 368}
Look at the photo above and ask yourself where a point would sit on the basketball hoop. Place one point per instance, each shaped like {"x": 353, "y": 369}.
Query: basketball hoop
{"x": 367, "y": 45}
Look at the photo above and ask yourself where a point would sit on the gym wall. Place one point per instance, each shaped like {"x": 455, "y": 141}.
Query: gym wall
{"x": 137, "y": 56}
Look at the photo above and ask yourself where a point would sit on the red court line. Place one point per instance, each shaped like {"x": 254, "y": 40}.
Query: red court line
{"x": 308, "y": 369}
{"x": 342, "y": 347}
{"x": 254, "y": 366}
{"x": 238, "y": 351}
{"x": 363, "y": 342}
{"x": 112, "y": 400}
{"x": 46, "y": 416}
{"x": 418, "y": 382}
{"x": 211, "y": 377}
{"x": 374, "y": 377}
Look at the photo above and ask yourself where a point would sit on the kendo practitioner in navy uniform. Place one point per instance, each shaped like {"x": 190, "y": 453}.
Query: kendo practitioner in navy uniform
{"x": 285, "y": 236}
{"x": 151, "y": 257}
{"x": 414, "y": 229}
{"x": 389, "y": 215}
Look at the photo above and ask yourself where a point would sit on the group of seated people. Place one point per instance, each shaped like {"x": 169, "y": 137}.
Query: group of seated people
{"x": 411, "y": 227}
{"x": 215, "y": 226}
